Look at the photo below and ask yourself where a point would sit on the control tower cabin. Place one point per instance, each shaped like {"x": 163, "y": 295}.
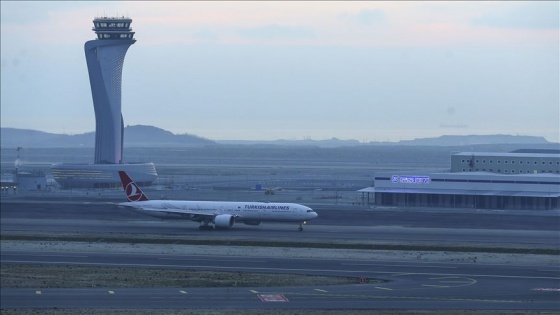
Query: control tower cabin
{"x": 105, "y": 59}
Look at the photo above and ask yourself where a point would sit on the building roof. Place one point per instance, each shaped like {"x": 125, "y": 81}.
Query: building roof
{"x": 462, "y": 192}
{"x": 509, "y": 154}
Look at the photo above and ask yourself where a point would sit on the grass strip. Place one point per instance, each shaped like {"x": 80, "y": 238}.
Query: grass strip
{"x": 268, "y": 243}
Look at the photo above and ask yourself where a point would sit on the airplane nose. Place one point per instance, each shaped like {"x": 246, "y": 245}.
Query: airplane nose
{"x": 314, "y": 215}
{"x": 310, "y": 213}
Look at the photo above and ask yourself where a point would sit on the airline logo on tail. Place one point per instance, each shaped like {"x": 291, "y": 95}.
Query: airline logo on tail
{"x": 133, "y": 192}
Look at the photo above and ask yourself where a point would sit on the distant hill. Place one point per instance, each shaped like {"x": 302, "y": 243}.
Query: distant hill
{"x": 134, "y": 136}
{"x": 150, "y": 136}
{"x": 439, "y": 141}
{"x": 328, "y": 143}
{"x": 475, "y": 140}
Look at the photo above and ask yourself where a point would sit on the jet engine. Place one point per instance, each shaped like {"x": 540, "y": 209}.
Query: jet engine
{"x": 224, "y": 221}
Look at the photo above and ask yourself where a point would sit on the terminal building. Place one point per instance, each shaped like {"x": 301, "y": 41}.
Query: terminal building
{"x": 69, "y": 175}
{"x": 105, "y": 59}
{"x": 512, "y": 181}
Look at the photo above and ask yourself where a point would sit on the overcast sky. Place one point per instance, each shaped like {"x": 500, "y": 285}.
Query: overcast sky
{"x": 370, "y": 71}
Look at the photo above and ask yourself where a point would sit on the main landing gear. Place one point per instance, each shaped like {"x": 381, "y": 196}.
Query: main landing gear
{"x": 205, "y": 226}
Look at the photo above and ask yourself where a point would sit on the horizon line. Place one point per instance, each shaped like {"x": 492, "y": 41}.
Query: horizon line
{"x": 306, "y": 138}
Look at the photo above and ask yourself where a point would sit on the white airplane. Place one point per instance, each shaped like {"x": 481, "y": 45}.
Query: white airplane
{"x": 222, "y": 214}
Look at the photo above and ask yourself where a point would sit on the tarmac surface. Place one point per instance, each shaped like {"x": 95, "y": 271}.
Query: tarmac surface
{"x": 439, "y": 261}
{"x": 83, "y": 232}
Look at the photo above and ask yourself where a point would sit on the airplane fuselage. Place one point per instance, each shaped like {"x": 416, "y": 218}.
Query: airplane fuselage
{"x": 243, "y": 211}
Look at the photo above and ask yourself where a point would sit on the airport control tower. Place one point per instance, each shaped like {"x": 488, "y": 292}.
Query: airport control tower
{"x": 105, "y": 59}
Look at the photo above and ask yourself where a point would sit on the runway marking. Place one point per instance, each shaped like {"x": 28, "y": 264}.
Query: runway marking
{"x": 455, "y": 281}
{"x": 253, "y": 291}
{"x": 321, "y": 290}
{"x": 213, "y": 259}
{"x": 460, "y": 282}
{"x": 272, "y": 298}
{"x": 111, "y": 292}
{"x": 51, "y": 255}
{"x": 546, "y": 289}
{"x": 392, "y": 273}
{"x": 435, "y": 286}
{"x": 382, "y": 288}
{"x": 38, "y": 292}
{"x": 408, "y": 266}
{"x": 183, "y": 292}
{"x": 419, "y": 298}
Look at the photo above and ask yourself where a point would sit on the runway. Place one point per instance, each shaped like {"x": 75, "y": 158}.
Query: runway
{"x": 410, "y": 284}
{"x": 344, "y": 223}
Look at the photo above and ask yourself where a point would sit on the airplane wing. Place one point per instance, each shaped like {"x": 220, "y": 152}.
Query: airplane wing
{"x": 193, "y": 215}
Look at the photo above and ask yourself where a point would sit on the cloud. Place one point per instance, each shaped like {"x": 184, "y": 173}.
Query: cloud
{"x": 206, "y": 35}
{"x": 276, "y": 31}
{"x": 528, "y": 15}
{"x": 33, "y": 12}
{"x": 366, "y": 17}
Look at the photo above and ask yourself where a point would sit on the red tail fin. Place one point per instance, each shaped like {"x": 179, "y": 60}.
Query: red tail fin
{"x": 132, "y": 191}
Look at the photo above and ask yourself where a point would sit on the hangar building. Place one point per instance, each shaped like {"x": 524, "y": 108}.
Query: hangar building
{"x": 519, "y": 181}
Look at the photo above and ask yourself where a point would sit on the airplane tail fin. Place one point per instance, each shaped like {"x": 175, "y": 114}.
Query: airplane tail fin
{"x": 132, "y": 191}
